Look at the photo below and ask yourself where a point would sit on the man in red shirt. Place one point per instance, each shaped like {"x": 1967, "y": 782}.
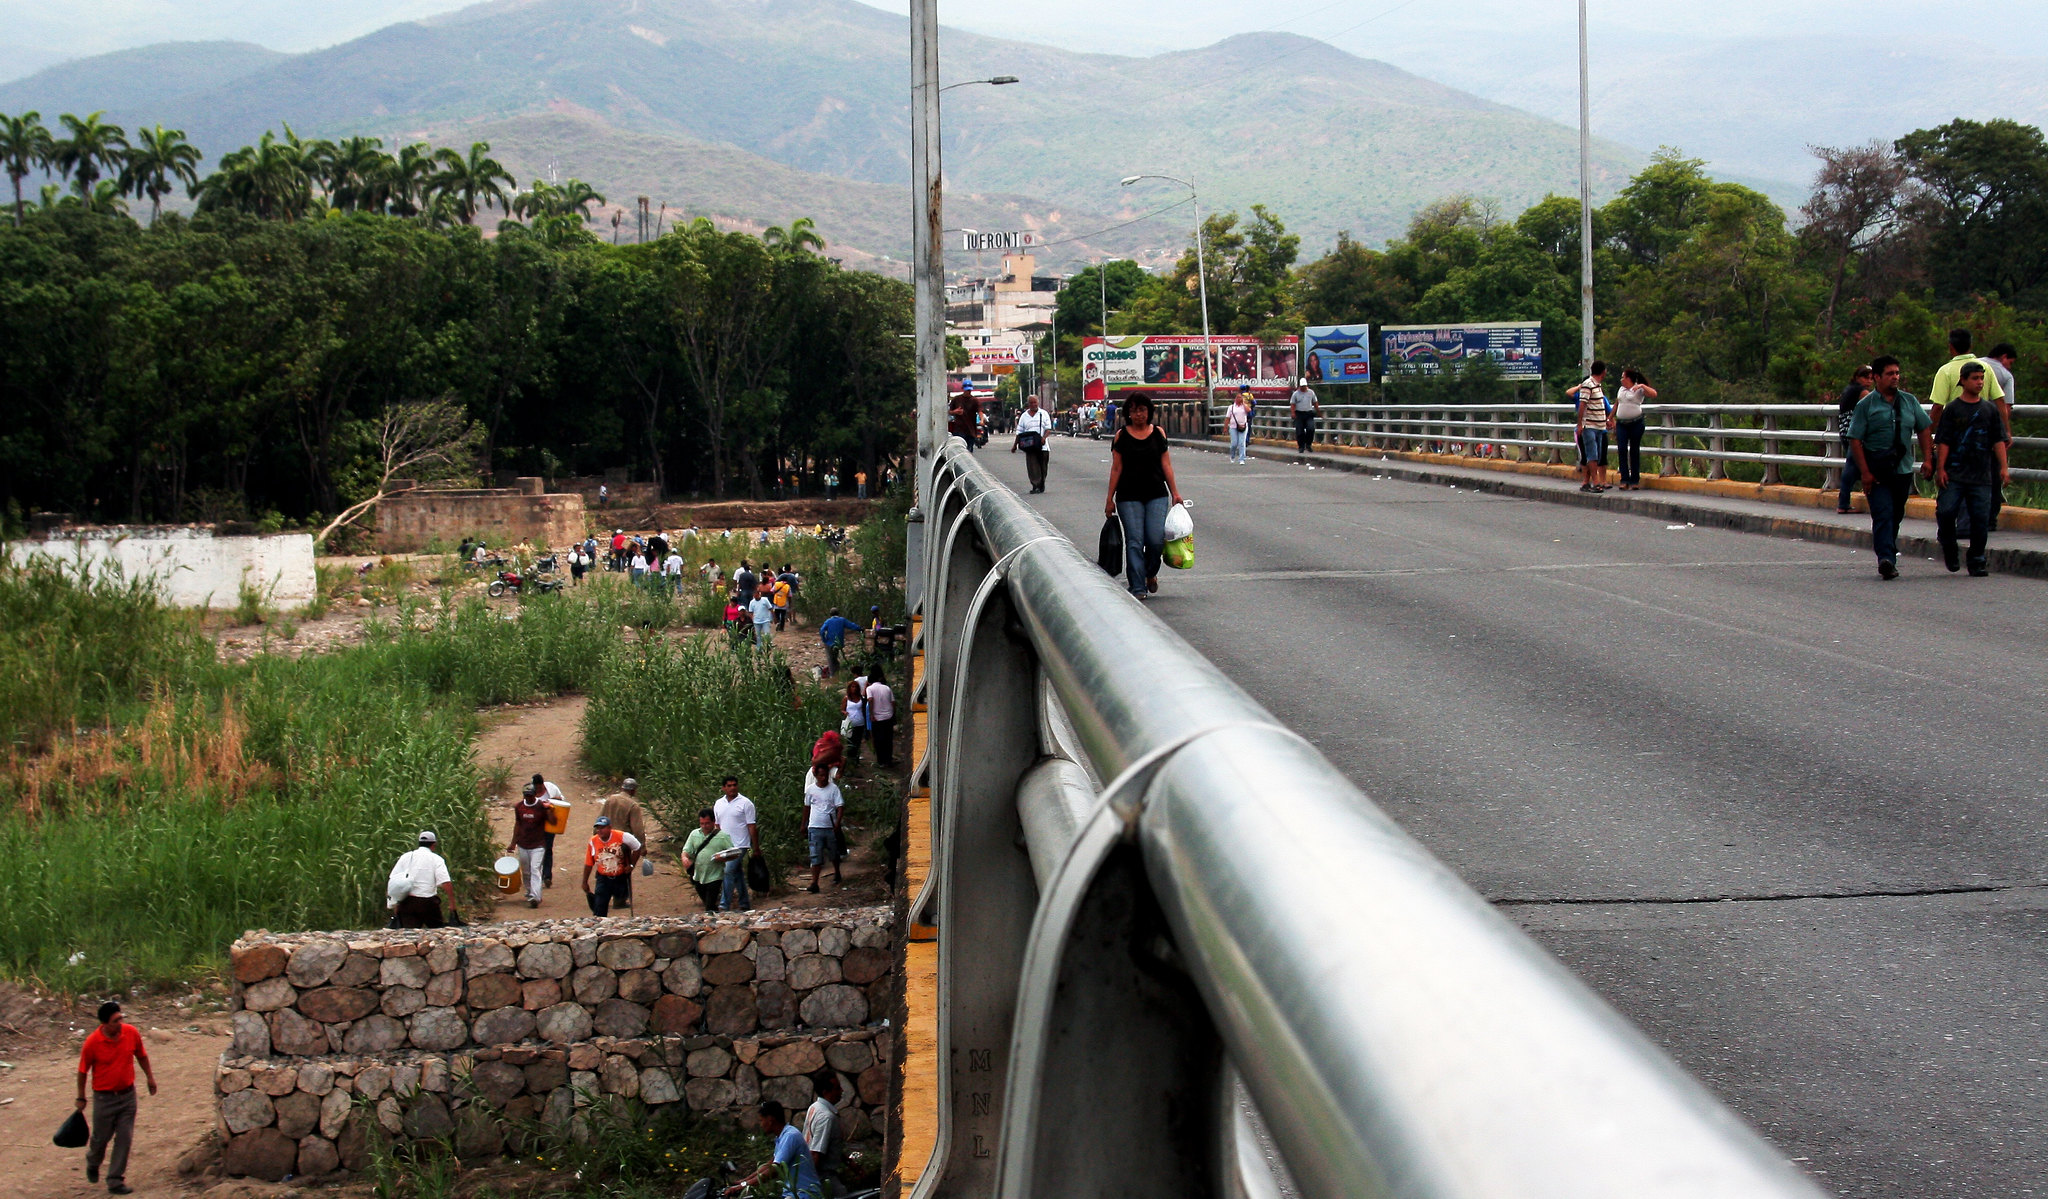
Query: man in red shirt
{"x": 109, "y": 1056}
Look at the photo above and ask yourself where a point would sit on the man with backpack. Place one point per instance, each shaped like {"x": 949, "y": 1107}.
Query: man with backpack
{"x": 1970, "y": 464}
{"x": 1883, "y": 431}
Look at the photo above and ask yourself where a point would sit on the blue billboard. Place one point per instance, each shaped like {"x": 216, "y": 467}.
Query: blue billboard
{"x": 1337, "y": 353}
{"x": 1516, "y": 347}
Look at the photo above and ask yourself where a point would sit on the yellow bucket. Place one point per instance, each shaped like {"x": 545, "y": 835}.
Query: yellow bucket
{"x": 508, "y": 873}
{"x": 558, "y": 818}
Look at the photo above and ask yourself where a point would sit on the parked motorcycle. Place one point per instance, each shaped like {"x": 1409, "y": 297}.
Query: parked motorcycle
{"x": 511, "y": 582}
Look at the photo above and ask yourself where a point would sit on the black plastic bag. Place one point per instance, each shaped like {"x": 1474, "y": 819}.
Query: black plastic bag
{"x": 758, "y": 879}
{"x": 1110, "y": 556}
{"x": 73, "y": 1134}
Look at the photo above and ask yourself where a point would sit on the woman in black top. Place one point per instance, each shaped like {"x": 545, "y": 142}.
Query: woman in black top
{"x": 1141, "y": 489}
{"x": 1859, "y": 386}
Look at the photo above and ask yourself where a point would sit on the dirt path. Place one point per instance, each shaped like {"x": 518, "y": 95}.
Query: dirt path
{"x": 39, "y": 1040}
{"x": 545, "y": 738}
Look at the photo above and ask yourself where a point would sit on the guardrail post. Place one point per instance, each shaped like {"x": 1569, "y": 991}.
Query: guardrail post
{"x": 1670, "y": 466}
{"x": 1551, "y": 418}
{"x": 1770, "y": 423}
{"x": 1836, "y": 425}
{"x": 987, "y": 893}
{"x": 1716, "y": 467}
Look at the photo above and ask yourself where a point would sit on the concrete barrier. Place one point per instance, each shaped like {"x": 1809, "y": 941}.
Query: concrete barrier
{"x": 193, "y": 565}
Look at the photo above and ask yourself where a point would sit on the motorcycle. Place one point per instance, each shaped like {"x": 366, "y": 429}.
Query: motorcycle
{"x": 544, "y": 565}
{"x": 513, "y": 583}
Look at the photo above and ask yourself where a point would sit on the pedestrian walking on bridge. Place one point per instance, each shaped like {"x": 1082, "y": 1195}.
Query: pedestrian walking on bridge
{"x": 1034, "y": 440}
{"x": 1592, "y": 421}
{"x": 1238, "y": 421}
{"x": 1970, "y": 463}
{"x": 1306, "y": 408}
{"x": 1883, "y": 432}
{"x": 1141, "y": 490}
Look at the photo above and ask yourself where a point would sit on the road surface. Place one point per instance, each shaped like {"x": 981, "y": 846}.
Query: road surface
{"x": 1786, "y": 817}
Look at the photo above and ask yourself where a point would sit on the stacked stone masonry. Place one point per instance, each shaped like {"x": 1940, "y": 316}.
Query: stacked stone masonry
{"x": 456, "y": 1032}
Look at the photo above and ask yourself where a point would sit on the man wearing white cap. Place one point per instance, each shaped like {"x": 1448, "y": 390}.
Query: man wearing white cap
{"x": 416, "y": 886}
{"x": 622, "y": 808}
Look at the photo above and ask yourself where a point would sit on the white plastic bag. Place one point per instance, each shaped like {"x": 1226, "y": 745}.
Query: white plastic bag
{"x": 1178, "y": 523}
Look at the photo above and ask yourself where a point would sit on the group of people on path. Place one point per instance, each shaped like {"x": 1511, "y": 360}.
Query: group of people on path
{"x": 756, "y": 601}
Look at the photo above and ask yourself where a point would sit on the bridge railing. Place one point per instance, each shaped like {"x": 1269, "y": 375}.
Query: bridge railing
{"x": 1167, "y": 925}
{"x": 1773, "y": 436}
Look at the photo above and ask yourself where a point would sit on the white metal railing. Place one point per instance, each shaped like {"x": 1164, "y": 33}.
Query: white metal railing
{"x": 1165, "y": 921}
{"x": 1785, "y": 435}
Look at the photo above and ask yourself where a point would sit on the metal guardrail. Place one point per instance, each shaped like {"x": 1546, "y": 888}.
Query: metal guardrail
{"x": 1153, "y": 901}
{"x": 1801, "y": 435}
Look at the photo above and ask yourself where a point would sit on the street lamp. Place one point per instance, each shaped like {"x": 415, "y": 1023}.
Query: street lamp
{"x": 1202, "y": 280}
{"x": 928, "y": 271}
{"x": 1585, "y": 203}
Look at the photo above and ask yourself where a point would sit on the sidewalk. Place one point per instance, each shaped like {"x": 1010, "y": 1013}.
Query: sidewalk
{"x": 2014, "y": 553}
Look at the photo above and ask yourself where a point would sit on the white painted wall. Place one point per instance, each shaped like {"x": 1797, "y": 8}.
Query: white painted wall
{"x": 193, "y": 567}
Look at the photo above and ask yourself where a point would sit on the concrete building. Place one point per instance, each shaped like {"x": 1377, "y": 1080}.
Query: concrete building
{"x": 998, "y": 316}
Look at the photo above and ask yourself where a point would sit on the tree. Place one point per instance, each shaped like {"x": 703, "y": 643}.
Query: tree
{"x": 407, "y": 185}
{"x": 800, "y": 237}
{"x": 420, "y": 441}
{"x": 1247, "y": 281}
{"x": 1861, "y": 197}
{"x": 271, "y": 179}
{"x": 1987, "y": 211}
{"x": 1081, "y": 300}
{"x": 25, "y": 147}
{"x": 92, "y": 149}
{"x": 471, "y": 182}
{"x": 156, "y": 164}
{"x": 1351, "y": 285}
{"x": 355, "y": 173}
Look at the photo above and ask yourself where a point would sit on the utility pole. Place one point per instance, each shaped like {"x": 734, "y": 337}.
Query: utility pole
{"x": 1102, "y": 277}
{"x": 1585, "y": 201}
{"x": 927, "y": 276}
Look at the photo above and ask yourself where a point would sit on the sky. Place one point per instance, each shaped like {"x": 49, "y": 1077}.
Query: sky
{"x": 1745, "y": 84}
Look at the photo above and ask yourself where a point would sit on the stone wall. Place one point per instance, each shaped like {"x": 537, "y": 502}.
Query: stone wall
{"x": 448, "y": 1032}
{"x": 412, "y": 520}
{"x": 193, "y": 565}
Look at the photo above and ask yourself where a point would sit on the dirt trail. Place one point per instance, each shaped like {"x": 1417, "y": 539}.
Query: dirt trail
{"x": 545, "y": 738}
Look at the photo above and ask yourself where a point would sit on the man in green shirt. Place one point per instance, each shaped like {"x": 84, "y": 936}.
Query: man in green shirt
{"x": 700, "y": 858}
{"x": 1882, "y": 433}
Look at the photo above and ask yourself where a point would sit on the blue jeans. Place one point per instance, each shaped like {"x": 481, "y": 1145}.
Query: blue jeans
{"x": 1144, "y": 524}
{"x": 604, "y": 891}
{"x": 1238, "y": 438}
{"x": 1887, "y": 509}
{"x": 734, "y": 897}
{"x": 1593, "y": 446}
{"x": 1851, "y": 476}
{"x": 1973, "y": 500}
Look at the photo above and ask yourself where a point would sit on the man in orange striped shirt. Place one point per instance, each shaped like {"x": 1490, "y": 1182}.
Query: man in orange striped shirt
{"x": 109, "y": 1056}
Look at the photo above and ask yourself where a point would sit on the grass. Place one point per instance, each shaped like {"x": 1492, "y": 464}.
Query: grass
{"x": 216, "y": 799}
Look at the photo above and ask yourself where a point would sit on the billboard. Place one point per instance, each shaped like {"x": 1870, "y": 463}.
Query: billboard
{"x": 1515, "y": 346}
{"x": 1337, "y": 353}
{"x": 1173, "y": 366}
{"x": 982, "y": 358}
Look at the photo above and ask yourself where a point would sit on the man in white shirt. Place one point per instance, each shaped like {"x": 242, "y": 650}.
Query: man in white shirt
{"x": 1306, "y": 406}
{"x": 882, "y": 717}
{"x": 551, "y": 795}
{"x": 821, "y": 1128}
{"x": 418, "y": 882}
{"x": 823, "y": 801}
{"x": 762, "y": 609}
{"x": 672, "y": 570}
{"x": 736, "y": 819}
{"x": 1034, "y": 437}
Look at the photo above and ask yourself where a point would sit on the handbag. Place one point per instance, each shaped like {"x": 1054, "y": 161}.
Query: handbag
{"x": 73, "y": 1133}
{"x": 1110, "y": 554}
{"x": 1032, "y": 440}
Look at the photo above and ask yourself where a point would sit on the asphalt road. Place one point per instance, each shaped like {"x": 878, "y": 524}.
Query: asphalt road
{"x": 1786, "y": 817}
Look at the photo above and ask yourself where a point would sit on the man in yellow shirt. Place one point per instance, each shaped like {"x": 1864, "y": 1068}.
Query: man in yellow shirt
{"x": 1948, "y": 380}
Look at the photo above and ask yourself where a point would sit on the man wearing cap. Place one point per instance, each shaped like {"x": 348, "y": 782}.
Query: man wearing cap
{"x": 530, "y": 840}
{"x": 108, "y": 1057}
{"x": 611, "y": 855}
{"x": 417, "y": 883}
{"x": 551, "y": 795}
{"x": 622, "y": 808}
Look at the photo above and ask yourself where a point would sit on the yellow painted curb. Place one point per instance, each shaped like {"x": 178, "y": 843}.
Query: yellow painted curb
{"x": 2017, "y": 520}
{"x": 920, "y": 1048}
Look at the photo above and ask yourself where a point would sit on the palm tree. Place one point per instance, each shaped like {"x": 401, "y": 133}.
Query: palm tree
{"x": 355, "y": 171}
{"x": 92, "y": 149}
{"x": 268, "y": 179}
{"x": 25, "y": 147}
{"x": 107, "y": 197}
{"x": 576, "y": 196}
{"x": 801, "y": 236}
{"x": 477, "y": 181}
{"x": 154, "y": 166}
{"x": 408, "y": 179}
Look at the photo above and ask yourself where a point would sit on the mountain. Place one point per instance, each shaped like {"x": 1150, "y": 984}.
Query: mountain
{"x": 134, "y": 82}
{"x": 1328, "y": 140}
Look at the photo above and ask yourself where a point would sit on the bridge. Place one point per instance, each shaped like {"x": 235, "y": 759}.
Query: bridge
{"x": 1682, "y": 873}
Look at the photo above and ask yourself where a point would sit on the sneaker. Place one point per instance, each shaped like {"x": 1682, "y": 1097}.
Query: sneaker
{"x": 1152, "y": 585}
{"x": 119, "y": 1188}
{"x": 1888, "y": 569}
{"x": 533, "y": 903}
{"x": 1951, "y": 556}
{"x": 1979, "y": 571}
{"x": 92, "y": 1173}
{"x": 812, "y": 889}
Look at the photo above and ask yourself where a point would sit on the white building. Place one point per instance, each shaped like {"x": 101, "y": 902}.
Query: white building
{"x": 999, "y": 317}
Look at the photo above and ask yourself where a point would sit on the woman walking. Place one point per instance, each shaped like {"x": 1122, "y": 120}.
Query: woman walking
{"x": 1239, "y": 421}
{"x": 1141, "y": 489}
{"x": 1859, "y": 386}
{"x": 1628, "y": 426}
{"x": 1034, "y": 433}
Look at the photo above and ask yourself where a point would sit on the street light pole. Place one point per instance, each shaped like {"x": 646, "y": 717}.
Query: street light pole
{"x": 927, "y": 278}
{"x": 1202, "y": 285}
{"x": 1585, "y": 201}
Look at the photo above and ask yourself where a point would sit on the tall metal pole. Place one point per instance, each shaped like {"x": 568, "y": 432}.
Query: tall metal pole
{"x": 1102, "y": 277}
{"x": 1202, "y": 284}
{"x": 928, "y": 273}
{"x": 1585, "y": 200}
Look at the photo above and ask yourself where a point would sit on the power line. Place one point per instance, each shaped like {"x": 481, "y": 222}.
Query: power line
{"x": 1113, "y": 228}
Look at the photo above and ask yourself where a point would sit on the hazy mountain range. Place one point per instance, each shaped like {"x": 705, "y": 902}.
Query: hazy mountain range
{"x": 763, "y": 110}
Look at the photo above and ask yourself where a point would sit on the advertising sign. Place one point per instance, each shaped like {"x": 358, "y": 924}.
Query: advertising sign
{"x": 1011, "y": 239}
{"x": 1515, "y": 346}
{"x": 1337, "y": 353}
{"x": 984, "y": 357}
{"x": 1173, "y": 366}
